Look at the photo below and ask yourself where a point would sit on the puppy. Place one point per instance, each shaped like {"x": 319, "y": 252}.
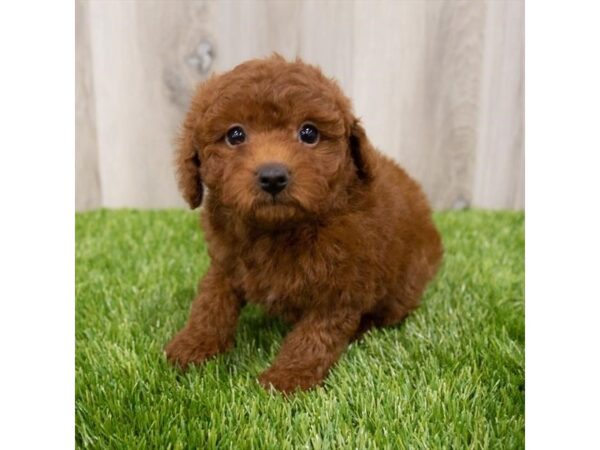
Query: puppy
{"x": 302, "y": 216}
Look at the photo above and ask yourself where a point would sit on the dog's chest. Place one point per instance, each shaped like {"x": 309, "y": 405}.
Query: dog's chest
{"x": 274, "y": 280}
{"x": 281, "y": 276}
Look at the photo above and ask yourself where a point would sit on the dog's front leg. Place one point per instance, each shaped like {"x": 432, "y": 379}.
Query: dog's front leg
{"x": 211, "y": 327}
{"x": 310, "y": 349}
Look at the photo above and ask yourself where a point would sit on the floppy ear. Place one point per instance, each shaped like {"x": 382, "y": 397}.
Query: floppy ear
{"x": 361, "y": 151}
{"x": 188, "y": 168}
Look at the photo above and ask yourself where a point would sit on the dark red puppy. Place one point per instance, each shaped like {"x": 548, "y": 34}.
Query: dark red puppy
{"x": 302, "y": 216}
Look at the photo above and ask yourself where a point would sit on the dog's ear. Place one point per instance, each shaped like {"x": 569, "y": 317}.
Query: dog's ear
{"x": 188, "y": 167}
{"x": 361, "y": 151}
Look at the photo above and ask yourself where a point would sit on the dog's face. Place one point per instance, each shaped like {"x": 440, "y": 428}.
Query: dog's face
{"x": 274, "y": 142}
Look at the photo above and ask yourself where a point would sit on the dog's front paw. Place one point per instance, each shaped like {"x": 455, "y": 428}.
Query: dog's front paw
{"x": 289, "y": 380}
{"x": 185, "y": 349}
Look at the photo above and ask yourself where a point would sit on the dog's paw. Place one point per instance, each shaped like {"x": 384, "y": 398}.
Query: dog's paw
{"x": 288, "y": 380}
{"x": 185, "y": 349}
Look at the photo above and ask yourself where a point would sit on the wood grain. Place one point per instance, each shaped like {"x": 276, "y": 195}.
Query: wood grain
{"x": 87, "y": 180}
{"x": 499, "y": 180}
{"x": 438, "y": 84}
{"x": 141, "y": 87}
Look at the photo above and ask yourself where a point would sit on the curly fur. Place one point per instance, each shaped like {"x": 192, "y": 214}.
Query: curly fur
{"x": 349, "y": 244}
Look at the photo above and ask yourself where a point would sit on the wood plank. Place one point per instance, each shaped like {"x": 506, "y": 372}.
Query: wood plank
{"x": 142, "y": 86}
{"x": 499, "y": 180}
{"x": 417, "y": 75}
{"x": 87, "y": 181}
{"x": 319, "y": 32}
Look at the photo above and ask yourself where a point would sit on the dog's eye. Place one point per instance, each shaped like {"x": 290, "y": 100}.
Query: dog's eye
{"x": 308, "y": 134}
{"x": 235, "y": 135}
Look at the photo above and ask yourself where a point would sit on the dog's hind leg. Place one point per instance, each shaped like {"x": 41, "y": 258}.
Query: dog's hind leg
{"x": 393, "y": 313}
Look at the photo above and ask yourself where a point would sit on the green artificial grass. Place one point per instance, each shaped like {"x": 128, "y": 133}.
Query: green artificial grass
{"x": 450, "y": 377}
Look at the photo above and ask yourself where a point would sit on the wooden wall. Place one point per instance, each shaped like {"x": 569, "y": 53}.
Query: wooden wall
{"x": 438, "y": 83}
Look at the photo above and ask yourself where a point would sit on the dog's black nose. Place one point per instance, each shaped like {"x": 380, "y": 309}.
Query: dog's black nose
{"x": 273, "y": 178}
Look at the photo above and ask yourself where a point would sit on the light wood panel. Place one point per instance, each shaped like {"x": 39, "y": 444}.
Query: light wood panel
{"x": 439, "y": 85}
{"x": 418, "y": 70}
{"x": 500, "y": 165}
{"x": 87, "y": 181}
